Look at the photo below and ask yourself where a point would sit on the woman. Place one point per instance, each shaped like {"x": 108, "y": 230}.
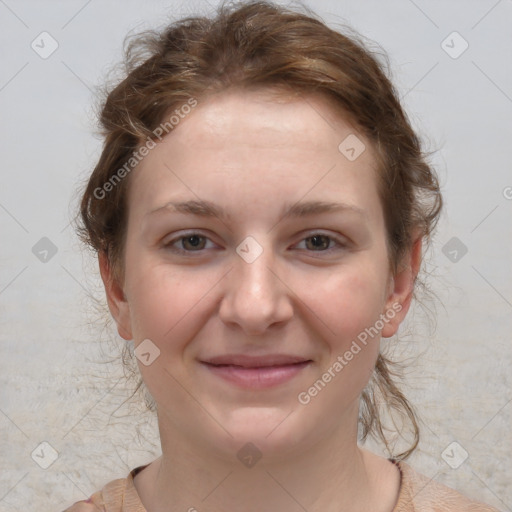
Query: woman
{"x": 259, "y": 212}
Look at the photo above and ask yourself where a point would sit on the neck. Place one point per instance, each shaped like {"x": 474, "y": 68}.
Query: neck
{"x": 330, "y": 475}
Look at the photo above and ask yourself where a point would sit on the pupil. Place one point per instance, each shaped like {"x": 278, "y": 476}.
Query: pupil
{"x": 319, "y": 238}
{"x": 193, "y": 240}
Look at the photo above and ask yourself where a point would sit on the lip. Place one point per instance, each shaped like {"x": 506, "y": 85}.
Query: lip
{"x": 256, "y": 372}
{"x": 248, "y": 361}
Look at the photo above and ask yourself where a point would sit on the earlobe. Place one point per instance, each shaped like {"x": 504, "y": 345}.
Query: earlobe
{"x": 117, "y": 303}
{"x": 402, "y": 288}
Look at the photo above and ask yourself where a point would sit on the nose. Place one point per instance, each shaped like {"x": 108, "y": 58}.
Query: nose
{"x": 255, "y": 296}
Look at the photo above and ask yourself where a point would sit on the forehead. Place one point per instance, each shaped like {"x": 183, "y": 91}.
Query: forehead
{"x": 255, "y": 117}
{"x": 261, "y": 146}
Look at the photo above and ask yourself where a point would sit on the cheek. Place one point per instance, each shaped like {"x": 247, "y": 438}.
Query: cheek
{"x": 346, "y": 301}
{"x": 347, "y": 305}
{"x": 170, "y": 305}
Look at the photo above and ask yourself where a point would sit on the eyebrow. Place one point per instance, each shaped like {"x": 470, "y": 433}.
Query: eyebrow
{"x": 300, "y": 209}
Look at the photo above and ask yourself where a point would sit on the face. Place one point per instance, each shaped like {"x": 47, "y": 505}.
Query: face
{"x": 255, "y": 263}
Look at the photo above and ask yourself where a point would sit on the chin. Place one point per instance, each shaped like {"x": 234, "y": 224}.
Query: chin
{"x": 271, "y": 432}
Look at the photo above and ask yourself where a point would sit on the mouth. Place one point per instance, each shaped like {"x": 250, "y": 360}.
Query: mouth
{"x": 256, "y": 372}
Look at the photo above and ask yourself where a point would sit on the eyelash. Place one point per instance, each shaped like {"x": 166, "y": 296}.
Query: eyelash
{"x": 168, "y": 245}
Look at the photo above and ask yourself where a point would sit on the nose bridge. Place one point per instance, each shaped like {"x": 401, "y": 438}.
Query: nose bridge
{"x": 255, "y": 298}
{"x": 255, "y": 278}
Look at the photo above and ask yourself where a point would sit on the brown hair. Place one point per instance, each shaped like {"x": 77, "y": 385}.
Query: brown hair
{"x": 255, "y": 45}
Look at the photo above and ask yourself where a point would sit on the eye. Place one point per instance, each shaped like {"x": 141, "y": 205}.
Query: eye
{"x": 194, "y": 242}
{"x": 320, "y": 242}
{"x": 190, "y": 242}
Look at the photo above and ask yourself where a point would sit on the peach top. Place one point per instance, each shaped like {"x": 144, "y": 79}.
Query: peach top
{"x": 418, "y": 493}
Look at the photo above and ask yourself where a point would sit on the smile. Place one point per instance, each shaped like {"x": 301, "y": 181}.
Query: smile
{"x": 257, "y": 375}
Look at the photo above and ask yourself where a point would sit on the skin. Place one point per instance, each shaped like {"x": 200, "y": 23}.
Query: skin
{"x": 254, "y": 154}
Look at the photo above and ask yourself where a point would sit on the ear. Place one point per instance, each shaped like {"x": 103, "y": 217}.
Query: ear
{"x": 401, "y": 289}
{"x": 117, "y": 303}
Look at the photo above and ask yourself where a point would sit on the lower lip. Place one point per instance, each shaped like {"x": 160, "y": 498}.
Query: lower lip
{"x": 258, "y": 378}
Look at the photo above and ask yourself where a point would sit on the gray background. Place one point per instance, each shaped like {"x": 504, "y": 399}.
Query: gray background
{"x": 55, "y": 385}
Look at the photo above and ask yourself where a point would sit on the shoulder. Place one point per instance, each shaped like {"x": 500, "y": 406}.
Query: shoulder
{"x": 108, "y": 499}
{"x": 93, "y": 504}
{"x": 419, "y": 493}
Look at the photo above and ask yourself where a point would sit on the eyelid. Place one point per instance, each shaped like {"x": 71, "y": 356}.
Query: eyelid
{"x": 177, "y": 237}
{"x": 339, "y": 241}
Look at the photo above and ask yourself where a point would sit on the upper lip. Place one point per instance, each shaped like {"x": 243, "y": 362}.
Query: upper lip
{"x": 248, "y": 361}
